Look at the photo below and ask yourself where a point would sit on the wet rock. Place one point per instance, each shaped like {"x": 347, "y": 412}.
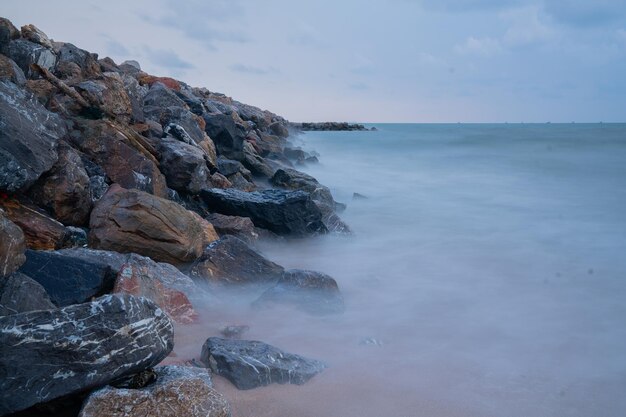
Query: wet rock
{"x": 10, "y": 71}
{"x": 87, "y": 62}
{"x": 226, "y": 134}
{"x": 241, "y": 227}
{"x": 66, "y": 279}
{"x": 28, "y": 138}
{"x": 282, "y": 212}
{"x": 309, "y": 291}
{"x": 64, "y": 190}
{"x": 19, "y": 293}
{"x": 141, "y": 276}
{"x": 231, "y": 261}
{"x": 25, "y": 53}
{"x": 134, "y": 221}
{"x": 33, "y": 34}
{"x": 250, "y": 364}
{"x": 40, "y": 230}
{"x": 178, "y": 391}
{"x": 279, "y": 129}
{"x": 55, "y": 353}
{"x": 12, "y": 246}
{"x": 184, "y": 166}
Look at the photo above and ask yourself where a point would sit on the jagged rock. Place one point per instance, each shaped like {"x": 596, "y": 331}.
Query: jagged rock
{"x": 269, "y": 144}
{"x": 33, "y": 34}
{"x": 25, "y": 53}
{"x": 143, "y": 277}
{"x": 150, "y": 80}
{"x": 250, "y": 364}
{"x": 108, "y": 65}
{"x": 87, "y": 62}
{"x": 28, "y": 138}
{"x": 234, "y": 331}
{"x": 97, "y": 187}
{"x": 132, "y": 63}
{"x": 229, "y": 167}
{"x": 241, "y": 227}
{"x": 75, "y": 237}
{"x": 179, "y": 391}
{"x": 220, "y": 181}
{"x": 279, "y": 129}
{"x": 20, "y": 293}
{"x": 125, "y": 155}
{"x": 184, "y": 166}
{"x": 309, "y": 291}
{"x": 163, "y": 106}
{"x": 8, "y": 32}
{"x": 10, "y": 71}
{"x": 68, "y": 280}
{"x": 231, "y": 261}
{"x": 12, "y": 246}
{"x": 55, "y": 353}
{"x": 255, "y": 163}
{"x": 42, "y": 89}
{"x": 226, "y": 134}
{"x": 40, "y": 230}
{"x": 159, "y": 95}
{"x": 109, "y": 94}
{"x": 240, "y": 182}
{"x": 282, "y": 212}
{"x": 134, "y": 221}
{"x": 64, "y": 190}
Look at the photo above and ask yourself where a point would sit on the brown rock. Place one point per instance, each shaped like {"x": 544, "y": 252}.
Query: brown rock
{"x": 178, "y": 391}
{"x": 12, "y": 246}
{"x": 8, "y": 32}
{"x": 134, "y": 221}
{"x": 146, "y": 79}
{"x": 64, "y": 190}
{"x": 242, "y": 227}
{"x": 109, "y": 94}
{"x": 33, "y": 34}
{"x": 40, "y": 231}
{"x": 42, "y": 89}
{"x": 220, "y": 181}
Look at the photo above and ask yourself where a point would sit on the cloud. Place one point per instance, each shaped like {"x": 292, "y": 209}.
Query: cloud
{"x": 116, "y": 48}
{"x": 479, "y": 46}
{"x": 307, "y": 35}
{"x": 167, "y": 58}
{"x": 526, "y": 27}
{"x": 249, "y": 69}
{"x": 586, "y": 13}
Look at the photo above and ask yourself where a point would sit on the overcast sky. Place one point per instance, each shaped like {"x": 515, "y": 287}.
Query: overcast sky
{"x": 368, "y": 60}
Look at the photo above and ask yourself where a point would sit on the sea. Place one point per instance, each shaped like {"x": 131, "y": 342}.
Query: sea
{"x": 485, "y": 276}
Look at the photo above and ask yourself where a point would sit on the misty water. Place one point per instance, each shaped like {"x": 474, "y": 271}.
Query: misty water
{"x": 487, "y": 270}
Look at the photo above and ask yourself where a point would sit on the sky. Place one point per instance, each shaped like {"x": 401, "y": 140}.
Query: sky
{"x": 368, "y": 60}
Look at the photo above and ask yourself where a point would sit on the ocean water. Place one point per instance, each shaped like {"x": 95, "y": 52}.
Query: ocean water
{"x": 488, "y": 264}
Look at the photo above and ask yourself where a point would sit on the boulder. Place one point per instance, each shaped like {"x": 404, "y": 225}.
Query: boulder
{"x": 179, "y": 391}
{"x": 282, "y": 212}
{"x": 25, "y": 53}
{"x": 127, "y": 158}
{"x": 250, "y": 364}
{"x": 141, "y": 276}
{"x": 230, "y": 167}
{"x": 178, "y": 120}
{"x": 150, "y": 80}
{"x": 8, "y": 32}
{"x": 12, "y": 246}
{"x": 239, "y": 181}
{"x": 40, "y": 230}
{"x": 231, "y": 261}
{"x": 159, "y": 95}
{"x": 42, "y": 89}
{"x": 269, "y": 143}
{"x": 255, "y": 163}
{"x": 19, "y": 293}
{"x": 33, "y": 34}
{"x": 226, "y": 134}
{"x": 134, "y": 221}
{"x": 54, "y": 353}
{"x": 64, "y": 190}
{"x": 279, "y": 129}
{"x": 309, "y": 291}
{"x": 86, "y": 61}
{"x": 109, "y": 94}
{"x": 10, "y": 71}
{"x": 184, "y": 166}
{"x": 28, "y": 138}
{"x": 68, "y": 280}
{"x": 241, "y": 227}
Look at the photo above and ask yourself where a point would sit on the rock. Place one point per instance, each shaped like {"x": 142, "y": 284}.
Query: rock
{"x": 282, "y": 212}
{"x": 358, "y": 196}
{"x": 255, "y": 163}
{"x": 20, "y": 293}
{"x": 126, "y": 156}
{"x": 227, "y": 136}
{"x": 97, "y": 187}
{"x": 42, "y": 89}
{"x": 234, "y": 331}
{"x": 68, "y": 280}
{"x": 25, "y": 53}
{"x": 240, "y": 182}
{"x": 179, "y": 391}
{"x": 220, "y": 181}
{"x": 55, "y": 353}
{"x": 8, "y": 32}
{"x": 134, "y": 221}
{"x": 269, "y": 144}
{"x": 161, "y": 96}
{"x": 184, "y": 166}
{"x": 40, "y": 230}
{"x": 279, "y": 130}
{"x": 132, "y": 63}
{"x": 64, "y": 190}
{"x": 10, "y": 71}
{"x": 309, "y": 291}
{"x": 33, "y": 34}
{"x": 138, "y": 277}
{"x": 170, "y": 83}
{"x": 230, "y": 261}
{"x": 241, "y": 227}
{"x": 250, "y": 364}
{"x": 12, "y": 247}
{"x": 113, "y": 260}
{"x": 109, "y": 94}
{"x": 330, "y": 126}
{"x": 75, "y": 237}
{"x": 28, "y": 138}
{"x": 87, "y": 62}
{"x": 229, "y": 167}
{"x": 108, "y": 65}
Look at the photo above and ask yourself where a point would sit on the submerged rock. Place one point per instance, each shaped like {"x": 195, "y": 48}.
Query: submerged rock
{"x": 178, "y": 391}
{"x": 282, "y": 212}
{"x": 55, "y": 353}
{"x": 19, "y": 293}
{"x": 250, "y": 364}
{"x": 12, "y": 246}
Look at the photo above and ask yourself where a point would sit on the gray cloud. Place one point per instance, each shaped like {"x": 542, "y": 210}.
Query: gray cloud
{"x": 167, "y": 58}
{"x": 586, "y": 13}
{"x": 116, "y": 48}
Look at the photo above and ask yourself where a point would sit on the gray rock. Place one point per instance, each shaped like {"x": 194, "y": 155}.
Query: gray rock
{"x": 8, "y": 32}
{"x": 29, "y": 135}
{"x": 132, "y": 63}
{"x": 226, "y": 134}
{"x": 10, "y": 71}
{"x": 279, "y": 129}
{"x": 86, "y": 61}
{"x": 241, "y": 227}
{"x": 184, "y": 166}
{"x": 55, "y": 353}
{"x": 33, "y": 34}
{"x": 12, "y": 246}
{"x": 250, "y": 364}
{"x": 20, "y": 293}
{"x": 25, "y": 53}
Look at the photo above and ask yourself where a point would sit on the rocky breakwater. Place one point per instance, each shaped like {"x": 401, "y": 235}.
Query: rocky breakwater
{"x": 125, "y": 200}
{"x": 329, "y": 126}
